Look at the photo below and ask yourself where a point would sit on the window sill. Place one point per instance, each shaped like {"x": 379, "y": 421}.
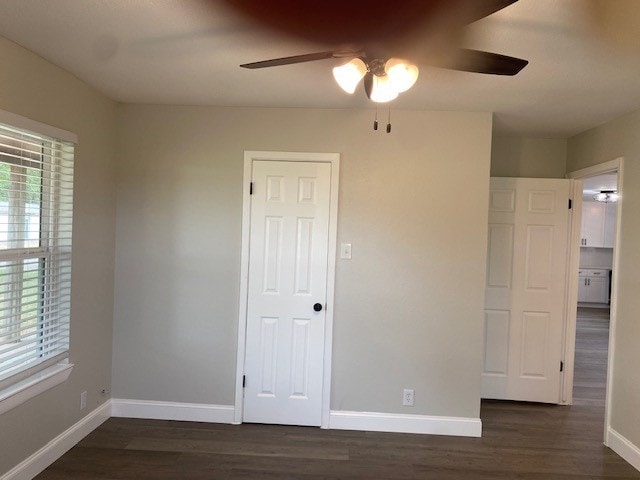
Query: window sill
{"x": 37, "y": 383}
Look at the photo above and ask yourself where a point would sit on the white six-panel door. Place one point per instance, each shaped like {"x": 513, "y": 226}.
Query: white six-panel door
{"x": 288, "y": 251}
{"x": 527, "y": 256}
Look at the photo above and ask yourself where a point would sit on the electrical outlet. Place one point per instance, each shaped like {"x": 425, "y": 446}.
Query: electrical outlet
{"x": 407, "y": 397}
{"x": 83, "y": 400}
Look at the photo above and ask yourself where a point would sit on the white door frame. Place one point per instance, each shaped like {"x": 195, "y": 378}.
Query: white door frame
{"x": 616, "y": 165}
{"x": 249, "y": 157}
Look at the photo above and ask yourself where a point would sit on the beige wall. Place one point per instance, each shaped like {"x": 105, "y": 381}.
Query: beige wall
{"x": 528, "y": 157}
{"x": 408, "y": 309}
{"x": 34, "y": 88}
{"x": 621, "y": 138}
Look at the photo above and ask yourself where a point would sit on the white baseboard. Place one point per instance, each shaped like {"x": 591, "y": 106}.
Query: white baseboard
{"x": 191, "y": 412}
{"x": 400, "y": 423}
{"x": 341, "y": 420}
{"x": 57, "y": 447}
{"x": 624, "y": 448}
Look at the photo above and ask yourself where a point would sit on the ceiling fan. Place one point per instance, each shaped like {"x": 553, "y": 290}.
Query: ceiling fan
{"x": 379, "y": 30}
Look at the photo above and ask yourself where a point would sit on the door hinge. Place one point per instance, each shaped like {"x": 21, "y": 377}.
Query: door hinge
{"x": 561, "y": 366}
{"x": 250, "y": 188}
{"x": 570, "y": 204}
{"x": 244, "y": 381}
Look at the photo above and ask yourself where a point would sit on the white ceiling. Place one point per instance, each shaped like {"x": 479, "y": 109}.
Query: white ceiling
{"x": 183, "y": 52}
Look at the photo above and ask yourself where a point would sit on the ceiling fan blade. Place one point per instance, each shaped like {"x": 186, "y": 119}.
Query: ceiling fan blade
{"x": 487, "y": 7}
{"x": 477, "y": 61}
{"x": 362, "y": 22}
{"x": 309, "y": 57}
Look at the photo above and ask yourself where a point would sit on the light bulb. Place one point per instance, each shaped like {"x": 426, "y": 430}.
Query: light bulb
{"x": 383, "y": 90}
{"x": 349, "y": 75}
{"x": 401, "y": 73}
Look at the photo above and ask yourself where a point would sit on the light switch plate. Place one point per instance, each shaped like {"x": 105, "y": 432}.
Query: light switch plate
{"x": 345, "y": 251}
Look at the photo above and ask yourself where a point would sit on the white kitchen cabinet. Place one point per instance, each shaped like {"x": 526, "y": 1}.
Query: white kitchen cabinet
{"x": 583, "y": 290}
{"x": 593, "y": 285}
{"x": 592, "y": 231}
{"x": 610, "y": 217}
{"x": 598, "y": 290}
{"x": 598, "y": 224}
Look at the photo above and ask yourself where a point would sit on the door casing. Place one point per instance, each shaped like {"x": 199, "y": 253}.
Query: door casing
{"x": 249, "y": 157}
{"x": 616, "y": 165}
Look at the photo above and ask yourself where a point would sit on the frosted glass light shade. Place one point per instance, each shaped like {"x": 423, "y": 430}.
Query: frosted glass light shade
{"x": 383, "y": 90}
{"x": 349, "y": 75}
{"x": 401, "y": 73}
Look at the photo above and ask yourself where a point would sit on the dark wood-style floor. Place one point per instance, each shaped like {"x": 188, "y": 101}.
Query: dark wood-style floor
{"x": 592, "y": 345}
{"x": 520, "y": 441}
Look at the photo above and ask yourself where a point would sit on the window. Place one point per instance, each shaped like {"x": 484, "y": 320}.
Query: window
{"x": 36, "y": 193}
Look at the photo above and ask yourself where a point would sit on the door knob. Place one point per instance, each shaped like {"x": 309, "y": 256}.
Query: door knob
{"x": 317, "y": 307}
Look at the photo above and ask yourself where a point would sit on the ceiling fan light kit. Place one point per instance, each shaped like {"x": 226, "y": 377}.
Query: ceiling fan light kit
{"x": 386, "y": 79}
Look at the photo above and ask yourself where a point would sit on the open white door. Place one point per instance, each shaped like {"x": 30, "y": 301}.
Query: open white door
{"x": 287, "y": 292}
{"x": 529, "y": 225}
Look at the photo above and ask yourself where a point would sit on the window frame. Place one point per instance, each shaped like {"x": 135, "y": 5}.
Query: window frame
{"x": 37, "y": 378}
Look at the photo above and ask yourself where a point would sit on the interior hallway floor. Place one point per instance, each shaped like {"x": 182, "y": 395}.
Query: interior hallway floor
{"x": 520, "y": 441}
{"x": 592, "y": 346}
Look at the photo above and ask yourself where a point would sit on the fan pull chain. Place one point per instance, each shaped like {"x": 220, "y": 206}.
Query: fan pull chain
{"x": 375, "y": 122}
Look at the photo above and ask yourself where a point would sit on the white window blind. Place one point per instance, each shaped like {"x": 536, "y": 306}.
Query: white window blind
{"x": 36, "y": 197}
